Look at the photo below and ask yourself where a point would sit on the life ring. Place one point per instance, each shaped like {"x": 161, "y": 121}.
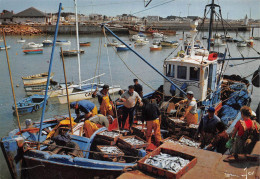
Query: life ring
{"x": 36, "y": 107}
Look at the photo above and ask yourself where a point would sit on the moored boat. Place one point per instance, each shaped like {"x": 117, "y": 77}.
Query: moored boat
{"x": 47, "y": 43}
{"x": 165, "y": 43}
{"x": 121, "y": 48}
{"x": 33, "y": 45}
{"x": 68, "y": 53}
{"x": 33, "y": 51}
{"x": 40, "y": 78}
{"x": 85, "y": 44}
{"x": 21, "y": 40}
{"x": 155, "y": 48}
{"x": 2, "y": 47}
{"x": 63, "y": 42}
{"x": 30, "y": 104}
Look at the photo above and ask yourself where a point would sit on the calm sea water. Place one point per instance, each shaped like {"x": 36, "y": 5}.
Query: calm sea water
{"x": 23, "y": 65}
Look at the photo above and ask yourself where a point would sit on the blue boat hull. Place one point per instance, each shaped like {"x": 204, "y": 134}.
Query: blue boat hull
{"x": 122, "y": 49}
{"x": 34, "y": 52}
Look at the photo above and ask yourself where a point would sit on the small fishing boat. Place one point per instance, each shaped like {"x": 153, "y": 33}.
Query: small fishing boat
{"x": 63, "y": 42}
{"x": 54, "y": 90}
{"x": 155, "y": 48}
{"x": 113, "y": 43}
{"x": 141, "y": 42}
{"x": 33, "y": 45}
{"x": 165, "y": 43}
{"x": 2, "y": 47}
{"x": 121, "y": 48}
{"x": 139, "y": 36}
{"x": 40, "y": 78}
{"x": 157, "y": 35}
{"x": 241, "y": 44}
{"x": 21, "y": 40}
{"x": 68, "y": 53}
{"x": 30, "y": 104}
{"x": 33, "y": 51}
{"x": 87, "y": 44}
{"x": 47, "y": 43}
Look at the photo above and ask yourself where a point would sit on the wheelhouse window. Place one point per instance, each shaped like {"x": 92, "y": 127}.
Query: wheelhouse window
{"x": 170, "y": 70}
{"x": 195, "y": 73}
{"x": 182, "y": 72}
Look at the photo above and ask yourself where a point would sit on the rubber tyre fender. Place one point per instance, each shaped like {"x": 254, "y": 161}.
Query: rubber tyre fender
{"x": 36, "y": 107}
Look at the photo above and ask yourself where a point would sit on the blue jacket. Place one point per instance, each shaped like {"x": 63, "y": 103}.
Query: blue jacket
{"x": 84, "y": 106}
{"x": 208, "y": 125}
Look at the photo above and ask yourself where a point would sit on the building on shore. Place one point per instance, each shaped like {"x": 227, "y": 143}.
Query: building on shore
{"x": 31, "y": 15}
{"x": 6, "y": 17}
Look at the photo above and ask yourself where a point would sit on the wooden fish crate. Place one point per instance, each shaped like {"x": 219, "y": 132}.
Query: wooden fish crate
{"x": 170, "y": 138}
{"x": 176, "y": 121}
{"x": 185, "y": 137}
{"x": 107, "y": 155}
{"x": 165, "y": 173}
{"x": 99, "y": 135}
{"x": 137, "y": 146}
{"x": 138, "y": 132}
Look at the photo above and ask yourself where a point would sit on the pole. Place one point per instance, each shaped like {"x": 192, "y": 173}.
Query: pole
{"x": 11, "y": 80}
{"x": 49, "y": 73}
{"x": 68, "y": 99}
{"x": 142, "y": 58}
{"x": 77, "y": 40}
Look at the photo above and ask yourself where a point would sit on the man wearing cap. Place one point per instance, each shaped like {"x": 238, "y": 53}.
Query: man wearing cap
{"x": 106, "y": 104}
{"x": 86, "y": 107}
{"x": 207, "y": 126}
{"x": 129, "y": 99}
{"x": 191, "y": 114}
{"x": 138, "y": 88}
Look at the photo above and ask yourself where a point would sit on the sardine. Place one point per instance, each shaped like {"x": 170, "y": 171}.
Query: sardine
{"x": 177, "y": 120}
{"x": 110, "y": 150}
{"x": 194, "y": 126}
{"x": 189, "y": 142}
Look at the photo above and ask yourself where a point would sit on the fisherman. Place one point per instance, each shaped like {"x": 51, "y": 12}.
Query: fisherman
{"x": 96, "y": 122}
{"x": 242, "y": 131}
{"x": 106, "y": 104}
{"x": 207, "y": 126}
{"x": 86, "y": 107}
{"x": 138, "y": 88}
{"x": 152, "y": 116}
{"x": 191, "y": 114}
{"x": 219, "y": 141}
{"x": 129, "y": 99}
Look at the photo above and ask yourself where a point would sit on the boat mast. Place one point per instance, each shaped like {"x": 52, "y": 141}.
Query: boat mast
{"x": 212, "y": 11}
{"x": 49, "y": 73}
{"x": 77, "y": 40}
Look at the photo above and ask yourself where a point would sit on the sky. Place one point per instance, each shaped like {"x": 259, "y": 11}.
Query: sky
{"x": 231, "y": 9}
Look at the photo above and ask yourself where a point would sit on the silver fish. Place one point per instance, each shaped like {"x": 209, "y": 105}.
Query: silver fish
{"x": 194, "y": 126}
{"x": 109, "y": 134}
{"x": 167, "y": 162}
{"x": 177, "y": 120}
{"x": 189, "y": 142}
{"x": 110, "y": 150}
{"x": 133, "y": 141}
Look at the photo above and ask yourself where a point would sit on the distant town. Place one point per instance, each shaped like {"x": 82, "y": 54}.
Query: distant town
{"x": 37, "y": 18}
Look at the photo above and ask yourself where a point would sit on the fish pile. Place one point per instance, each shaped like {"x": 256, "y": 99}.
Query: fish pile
{"x": 109, "y": 134}
{"x": 133, "y": 141}
{"x": 140, "y": 127}
{"x": 173, "y": 141}
{"x": 189, "y": 142}
{"x": 177, "y": 121}
{"x": 195, "y": 126}
{"x": 167, "y": 162}
{"x": 110, "y": 150}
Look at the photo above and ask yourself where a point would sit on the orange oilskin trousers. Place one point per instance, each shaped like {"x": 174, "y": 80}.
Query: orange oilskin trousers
{"x": 89, "y": 128}
{"x": 106, "y": 108}
{"x": 192, "y": 118}
{"x": 153, "y": 125}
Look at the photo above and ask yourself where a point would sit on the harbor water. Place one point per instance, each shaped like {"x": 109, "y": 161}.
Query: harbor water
{"x": 92, "y": 64}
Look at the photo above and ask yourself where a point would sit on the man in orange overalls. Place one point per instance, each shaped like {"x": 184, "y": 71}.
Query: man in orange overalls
{"x": 106, "y": 104}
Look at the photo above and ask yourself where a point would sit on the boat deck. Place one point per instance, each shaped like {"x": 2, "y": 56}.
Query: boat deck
{"x": 209, "y": 165}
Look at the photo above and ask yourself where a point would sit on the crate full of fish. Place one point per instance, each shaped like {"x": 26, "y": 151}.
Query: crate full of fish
{"x": 167, "y": 163}
{"x": 133, "y": 142}
{"x": 184, "y": 140}
{"x": 170, "y": 139}
{"x": 109, "y": 135}
{"x": 110, "y": 151}
{"x": 124, "y": 132}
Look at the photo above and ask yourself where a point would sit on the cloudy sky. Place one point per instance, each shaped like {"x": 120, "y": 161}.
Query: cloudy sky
{"x": 233, "y": 9}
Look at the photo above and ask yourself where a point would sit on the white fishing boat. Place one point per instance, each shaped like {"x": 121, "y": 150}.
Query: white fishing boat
{"x": 2, "y": 47}
{"x": 33, "y": 45}
{"x": 21, "y": 40}
{"x": 47, "y": 43}
{"x": 141, "y": 42}
{"x": 85, "y": 92}
{"x": 63, "y": 42}
{"x": 157, "y": 35}
{"x": 40, "y": 78}
{"x": 241, "y": 44}
{"x": 136, "y": 37}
